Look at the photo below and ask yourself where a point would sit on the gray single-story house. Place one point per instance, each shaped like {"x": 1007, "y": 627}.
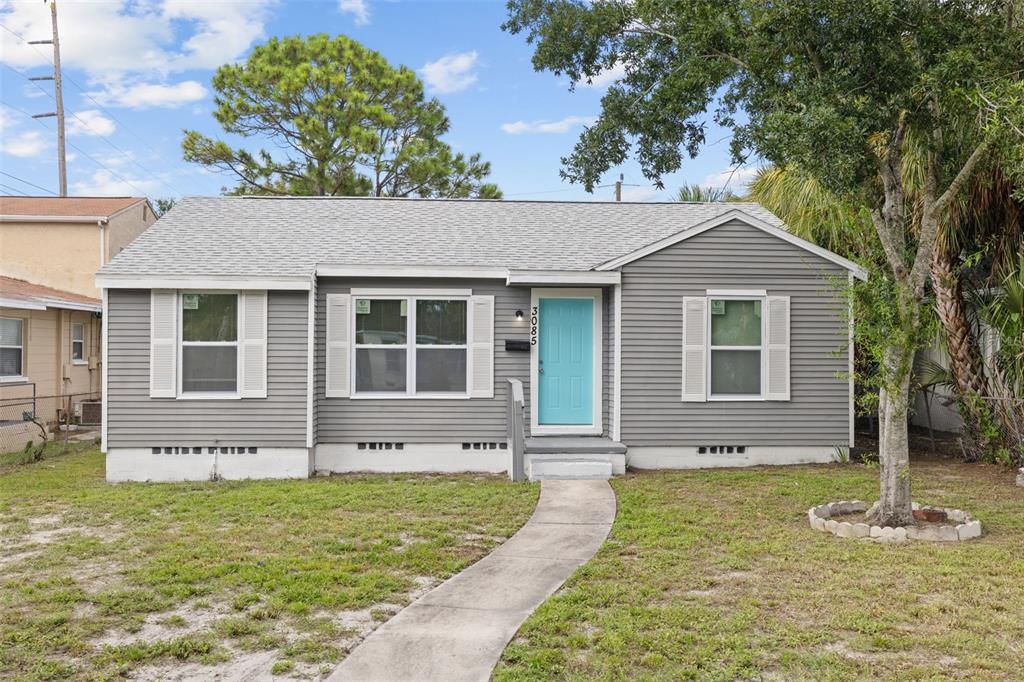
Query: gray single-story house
{"x": 252, "y": 337}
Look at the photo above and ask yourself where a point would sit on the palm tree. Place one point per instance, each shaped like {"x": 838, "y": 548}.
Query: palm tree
{"x": 986, "y": 216}
{"x": 698, "y": 194}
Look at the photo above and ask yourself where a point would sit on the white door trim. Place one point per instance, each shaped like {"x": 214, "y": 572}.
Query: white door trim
{"x": 595, "y": 428}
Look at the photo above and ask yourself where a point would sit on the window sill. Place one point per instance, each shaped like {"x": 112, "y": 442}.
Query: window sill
{"x": 14, "y": 380}
{"x": 736, "y": 398}
{"x": 209, "y": 396}
{"x": 79, "y": 362}
{"x": 406, "y": 396}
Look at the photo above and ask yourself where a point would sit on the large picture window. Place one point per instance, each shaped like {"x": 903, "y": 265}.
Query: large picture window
{"x": 209, "y": 343}
{"x": 735, "y": 347}
{"x": 410, "y": 346}
{"x": 12, "y": 347}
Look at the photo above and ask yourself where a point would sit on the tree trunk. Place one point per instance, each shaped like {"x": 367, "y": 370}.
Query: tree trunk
{"x": 964, "y": 355}
{"x": 894, "y": 508}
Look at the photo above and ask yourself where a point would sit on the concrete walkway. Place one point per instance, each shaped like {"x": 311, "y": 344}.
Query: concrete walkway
{"x": 458, "y": 630}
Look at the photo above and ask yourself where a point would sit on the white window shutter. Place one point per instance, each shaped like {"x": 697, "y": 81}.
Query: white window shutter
{"x": 163, "y": 343}
{"x": 253, "y": 344}
{"x": 695, "y": 350}
{"x": 338, "y": 344}
{"x": 481, "y": 359}
{"x": 777, "y": 360}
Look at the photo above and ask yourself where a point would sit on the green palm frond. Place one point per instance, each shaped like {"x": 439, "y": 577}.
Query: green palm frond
{"x": 698, "y": 194}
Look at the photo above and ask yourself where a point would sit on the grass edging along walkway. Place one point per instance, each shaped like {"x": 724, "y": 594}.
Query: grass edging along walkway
{"x": 97, "y": 580}
{"x": 717, "y": 575}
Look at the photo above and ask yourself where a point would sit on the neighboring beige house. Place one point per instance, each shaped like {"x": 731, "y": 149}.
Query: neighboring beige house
{"x": 61, "y": 242}
{"x": 50, "y": 307}
{"x": 50, "y": 345}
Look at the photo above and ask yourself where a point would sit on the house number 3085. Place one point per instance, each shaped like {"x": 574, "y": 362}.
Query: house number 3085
{"x": 533, "y": 326}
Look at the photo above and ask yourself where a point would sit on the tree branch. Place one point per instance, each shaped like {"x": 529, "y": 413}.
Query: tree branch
{"x": 965, "y": 173}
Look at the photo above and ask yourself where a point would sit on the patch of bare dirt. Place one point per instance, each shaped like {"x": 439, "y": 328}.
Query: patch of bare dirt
{"x": 843, "y": 649}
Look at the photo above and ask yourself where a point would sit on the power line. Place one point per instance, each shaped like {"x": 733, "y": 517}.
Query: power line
{"x": 85, "y": 93}
{"x": 12, "y": 190}
{"x": 102, "y": 137}
{"x": 30, "y": 184}
{"x": 84, "y": 123}
{"x": 80, "y": 151}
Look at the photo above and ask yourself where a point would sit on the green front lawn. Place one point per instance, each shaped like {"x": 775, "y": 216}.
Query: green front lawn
{"x": 97, "y": 580}
{"x": 717, "y": 575}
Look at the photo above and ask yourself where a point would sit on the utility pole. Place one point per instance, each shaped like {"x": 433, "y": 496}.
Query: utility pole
{"x": 62, "y": 167}
{"x": 618, "y": 187}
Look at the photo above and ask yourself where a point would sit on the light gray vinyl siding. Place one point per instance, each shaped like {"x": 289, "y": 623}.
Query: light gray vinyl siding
{"x": 408, "y": 420}
{"x": 607, "y": 358}
{"x": 136, "y": 420}
{"x": 411, "y": 420}
{"x": 738, "y": 256}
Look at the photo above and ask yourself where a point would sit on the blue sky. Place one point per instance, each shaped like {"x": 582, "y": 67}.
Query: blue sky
{"x": 138, "y": 72}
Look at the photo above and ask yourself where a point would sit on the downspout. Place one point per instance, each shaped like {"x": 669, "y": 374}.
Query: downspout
{"x": 103, "y": 251}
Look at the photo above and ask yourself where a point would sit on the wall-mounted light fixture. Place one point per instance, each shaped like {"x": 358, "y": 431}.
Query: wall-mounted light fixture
{"x": 519, "y": 316}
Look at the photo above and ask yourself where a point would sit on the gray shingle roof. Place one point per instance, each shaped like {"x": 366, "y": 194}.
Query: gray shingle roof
{"x": 249, "y": 236}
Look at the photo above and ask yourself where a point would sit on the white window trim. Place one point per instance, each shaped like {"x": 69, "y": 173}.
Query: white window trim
{"x": 84, "y": 359}
{"x": 209, "y": 395}
{"x": 737, "y": 296}
{"x": 17, "y": 378}
{"x": 596, "y": 428}
{"x": 410, "y": 346}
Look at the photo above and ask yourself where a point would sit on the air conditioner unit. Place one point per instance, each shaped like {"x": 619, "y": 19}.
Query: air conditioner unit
{"x": 92, "y": 411}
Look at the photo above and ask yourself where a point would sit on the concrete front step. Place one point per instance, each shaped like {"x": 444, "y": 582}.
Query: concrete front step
{"x": 570, "y": 467}
{"x": 573, "y": 445}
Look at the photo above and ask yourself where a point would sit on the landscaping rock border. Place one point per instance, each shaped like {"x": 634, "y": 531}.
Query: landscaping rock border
{"x": 966, "y": 528}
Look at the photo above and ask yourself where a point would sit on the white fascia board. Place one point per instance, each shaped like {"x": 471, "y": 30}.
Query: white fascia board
{"x": 20, "y": 305}
{"x": 549, "y": 277}
{"x": 235, "y": 283}
{"x": 424, "y": 271}
{"x": 736, "y": 214}
{"x": 53, "y": 219}
{"x": 44, "y": 303}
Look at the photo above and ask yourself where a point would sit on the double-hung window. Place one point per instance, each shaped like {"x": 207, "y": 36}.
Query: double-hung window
{"x": 12, "y": 348}
{"x": 209, "y": 343}
{"x": 736, "y": 347}
{"x": 410, "y": 345}
{"x": 78, "y": 343}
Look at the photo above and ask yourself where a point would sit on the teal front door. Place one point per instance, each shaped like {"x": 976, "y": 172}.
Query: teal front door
{"x": 565, "y": 362}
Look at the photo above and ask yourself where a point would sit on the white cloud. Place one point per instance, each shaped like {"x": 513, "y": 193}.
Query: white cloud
{"x": 562, "y": 126}
{"x": 103, "y": 183}
{"x": 90, "y": 122}
{"x": 142, "y": 42}
{"x": 148, "y": 95}
{"x": 640, "y": 193}
{"x": 735, "y": 179}
{"x": 24, "y": 145}
{"x": 7, "y": 120}
{"x": 359, "y": 10}
{"x": 451, "y": 73}
{"x": 605, "y": 78}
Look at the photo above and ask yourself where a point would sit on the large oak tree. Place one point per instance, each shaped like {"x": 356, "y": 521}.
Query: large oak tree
{"x": 340, "y": 120}
{"x": 833, "y": 87}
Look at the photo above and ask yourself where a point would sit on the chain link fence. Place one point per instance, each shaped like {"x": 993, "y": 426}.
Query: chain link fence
{"x": 26, "y": 416}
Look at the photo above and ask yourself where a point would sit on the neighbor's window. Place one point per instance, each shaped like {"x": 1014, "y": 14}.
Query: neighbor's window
{"x": 209, "y": 343}
{"x": 11, "y": 346}
{"x": 78, "y": 342}
{"x": 735, "y": 347}
{"x": 410, "y": 346}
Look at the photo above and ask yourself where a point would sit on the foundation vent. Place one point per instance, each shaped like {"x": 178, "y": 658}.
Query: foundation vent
{"x": 485, "y": 446}
{"x": 721, "y": 449}
{"x": 210, "y": 450}
{"x": 380, "y": 446}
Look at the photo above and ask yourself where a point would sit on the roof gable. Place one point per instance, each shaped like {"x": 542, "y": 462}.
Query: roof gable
{"x": 742, "y": 216}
